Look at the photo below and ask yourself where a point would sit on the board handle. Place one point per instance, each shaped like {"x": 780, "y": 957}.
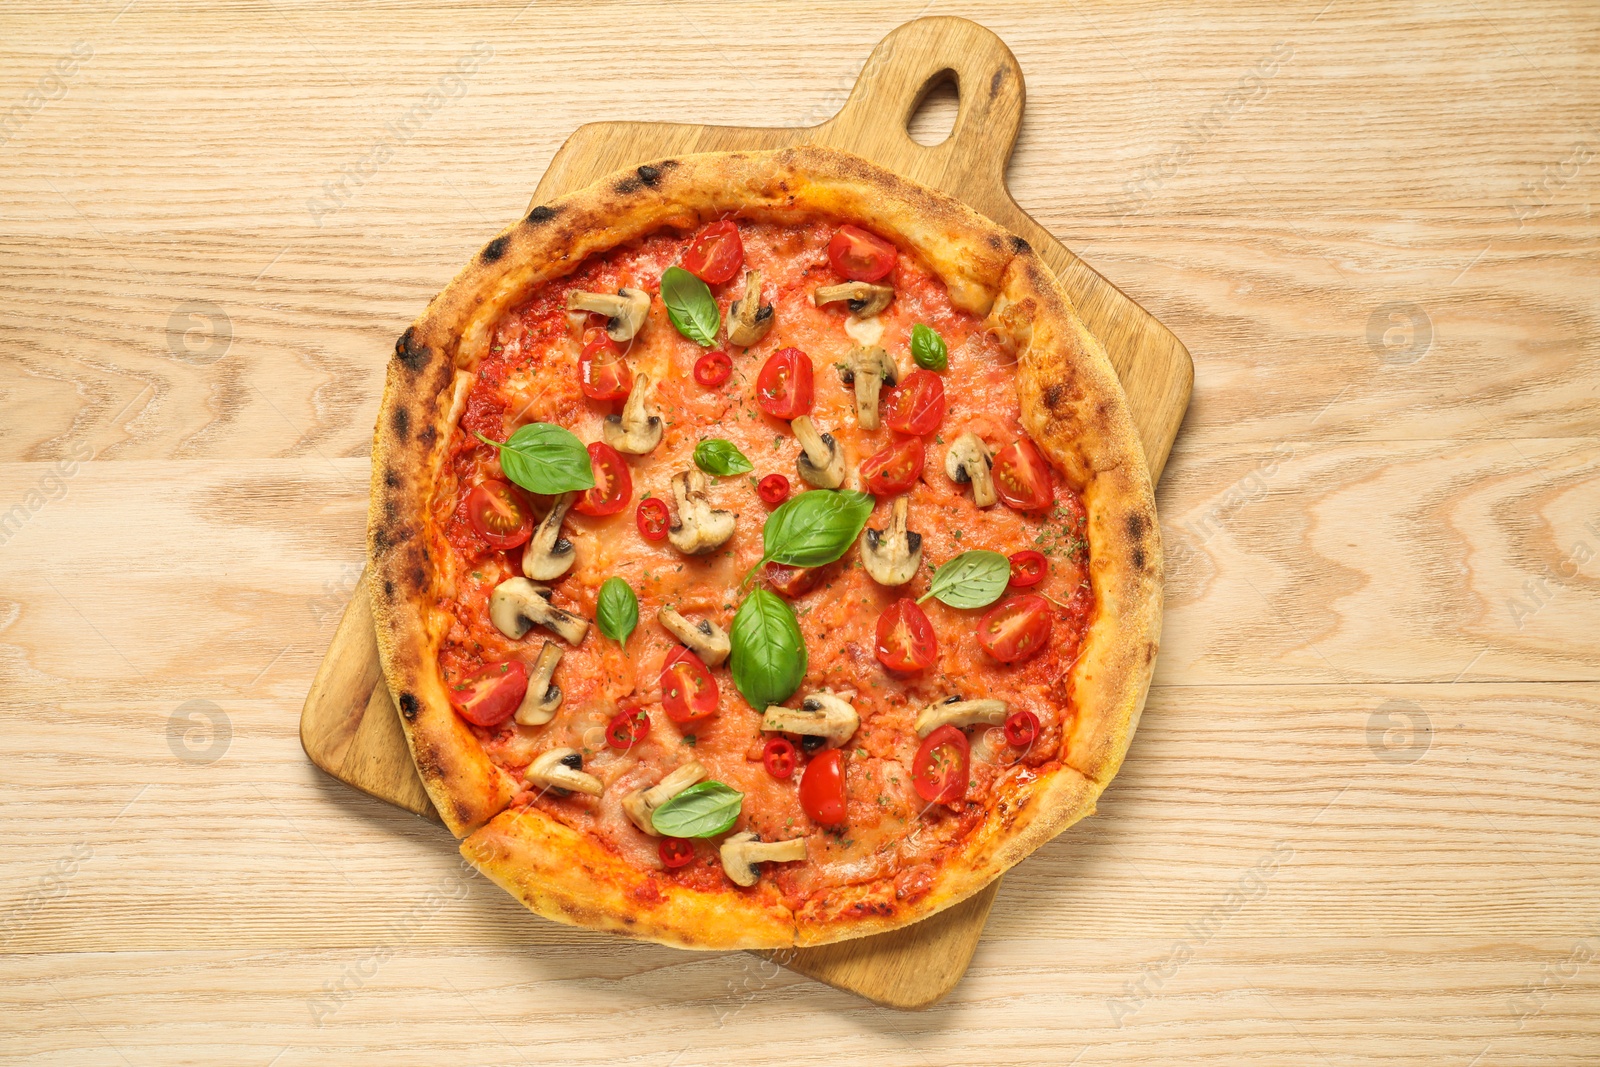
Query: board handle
{"x": 908, "y": 64}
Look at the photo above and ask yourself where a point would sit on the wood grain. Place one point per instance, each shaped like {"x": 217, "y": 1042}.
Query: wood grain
{"x": 1429, "y": 915}
{"x": 349, "y": 726}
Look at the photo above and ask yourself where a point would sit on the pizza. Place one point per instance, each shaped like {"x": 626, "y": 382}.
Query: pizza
{"x": 763, "y": 553}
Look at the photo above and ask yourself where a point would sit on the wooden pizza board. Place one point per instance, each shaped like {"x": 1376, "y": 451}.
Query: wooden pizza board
{"x": 349, "y": 726}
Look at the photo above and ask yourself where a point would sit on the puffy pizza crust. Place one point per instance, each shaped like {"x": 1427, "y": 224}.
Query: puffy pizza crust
{"x": 1072, "y": 406}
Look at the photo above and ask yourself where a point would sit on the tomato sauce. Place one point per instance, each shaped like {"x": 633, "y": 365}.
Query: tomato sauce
{"x": 531, "y": 374}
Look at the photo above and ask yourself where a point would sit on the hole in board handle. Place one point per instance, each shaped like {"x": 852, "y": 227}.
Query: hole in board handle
{"x": 933, "y": 116}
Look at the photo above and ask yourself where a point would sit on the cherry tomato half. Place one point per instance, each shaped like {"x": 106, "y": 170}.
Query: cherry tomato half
{"x": 790, "y": 581}
{"x": 613, "y": 485}
{"x": 784, "y": 386}
{"x": 1021, "y": 728}
{"x": 1016, "y": 628}
{"x": 602, "y": 372}
{"x": 1028, "y": 568}
{"x": 716, "y": 253}
{"x": 488, "y": 697}
{"x": 939, "y": 770}
{"x": 906, "y": 641}
{"x": 675, "y": 851}
{"x": 712, "y": 369}
{"x": 822, "y": 789}
{"x": 627, "y": 727}
{"x": 688, "y": 691}
{"x": 1022, "y": 477}
{"x": 859, "y": 255}
{"x": 779, "y": 757}
{"x": 894, "y": 468}
{"x": 653, "y": 519}
{"x": 774, "y": 489}
{"x": 917, "y": 406}
{"x": 500, "y": 513}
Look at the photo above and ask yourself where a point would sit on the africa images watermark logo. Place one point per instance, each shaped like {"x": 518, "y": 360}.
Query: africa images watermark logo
{"x": 199, "y": 732}
{"x": 1251, "y": 885}
{"x": 199, "y": 332}
{"x": 51, "y": 486}
{"x": 1141, "y": 189}
{"x": 397, "y": 132}
{"x": 50, "y": 86}
{"x": 1399, "y": 333}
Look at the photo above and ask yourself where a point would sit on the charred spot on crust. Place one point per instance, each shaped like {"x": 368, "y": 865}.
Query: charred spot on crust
{"x": 541, "y": 214}
{"x": 495, "y": 249}
{"x": 651, "y": 176}
{"x": 995, "y": 242}
{"x": 1018, "y": 245}
{"x": 428, "y": 436}
{"x": 627, "y": 185}
{"x": 1136, "y": 526}
{"x": 419, "y": 578}
{"x": 409, "y": 706}
{"x": 1054, "y": 394}
{"x": 401, "y": 422}
{"x": 411, "y": 352}
{"x": 388, "y": 589}
{"x": 1138, "y": 557}
{"x": 391, "y": 478}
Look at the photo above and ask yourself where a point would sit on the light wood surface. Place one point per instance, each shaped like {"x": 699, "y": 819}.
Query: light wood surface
{"x": 349, "y": 725}
{"x": 1440, "y": 910}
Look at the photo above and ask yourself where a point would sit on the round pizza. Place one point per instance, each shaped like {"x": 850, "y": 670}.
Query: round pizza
{"x": 763, "y": 553}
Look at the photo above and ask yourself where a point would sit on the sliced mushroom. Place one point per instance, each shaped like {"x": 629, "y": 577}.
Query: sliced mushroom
{"x": 709, "y": 641}
{"x": 819, "y": 715}
{"x": 697, "y": 528}
{"x": 741, "y": 853}
{"x": 548, "y": 555}
{"x": 544, "y": 696}
{"x": 641, "y": 804}
{"x": 865, "y": 299}
{"x": 748, "y": 318}
{"x": 624, "y": 313}
{"x": 892, "y": 556}
{"x": 821, "y": 460}
{"x": 562, "y": 768}
{"x": 968, "y": 461}
{"x": 517, "y": 605}
{"x": 869, "y": 369}
{"x": 957, "y": 712}
{"x": 635, "y": 431}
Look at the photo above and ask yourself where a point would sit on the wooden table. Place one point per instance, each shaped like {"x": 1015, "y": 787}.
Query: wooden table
{"x": 1359, "y": 822}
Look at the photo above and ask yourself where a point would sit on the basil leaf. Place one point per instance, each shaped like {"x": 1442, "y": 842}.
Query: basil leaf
{"x": 769, "y": 654}
{"x": 690, "y": 306}
{"x": 544, "y": 458}
{"x": 928, "y": 348}
{"x": 974, "y": 579}
{"x": 705, "y": 809}
{"x": 616, "y": 609}
{"x": 815, "y": 527}
{"x": 722, "y": 458}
